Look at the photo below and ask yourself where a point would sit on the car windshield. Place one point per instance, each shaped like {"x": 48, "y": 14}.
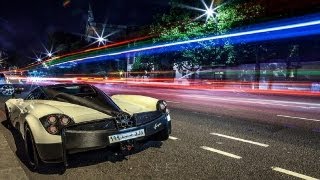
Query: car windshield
{"x": 77, "y": 90}
{"x": 84, "y": 95}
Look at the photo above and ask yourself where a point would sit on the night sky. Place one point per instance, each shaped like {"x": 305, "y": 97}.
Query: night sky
{"x": 24, "y": 24}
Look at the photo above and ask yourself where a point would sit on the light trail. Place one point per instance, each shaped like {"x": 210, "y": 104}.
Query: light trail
{"x": 208, "y": 85}
{"x": 87, "y": 51}
{"x": 284, "y": 31}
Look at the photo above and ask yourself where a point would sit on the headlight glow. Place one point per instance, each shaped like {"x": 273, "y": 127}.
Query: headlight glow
{"x": 162, "y": 106}
{"x": 168, "y": 117}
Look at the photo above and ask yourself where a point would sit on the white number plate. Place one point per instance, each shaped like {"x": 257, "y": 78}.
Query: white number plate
{"x": 126, "y": 136}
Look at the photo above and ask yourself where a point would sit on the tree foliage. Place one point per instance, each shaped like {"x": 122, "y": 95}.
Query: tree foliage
{"x": 141, "y": 66}
{"x": 179, "y": 24}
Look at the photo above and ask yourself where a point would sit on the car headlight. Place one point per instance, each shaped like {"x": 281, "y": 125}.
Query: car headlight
{"x": 162, "y": 106}
{"x": 54, "y": 123}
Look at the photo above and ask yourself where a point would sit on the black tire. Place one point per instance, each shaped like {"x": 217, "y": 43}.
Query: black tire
{"x": 32, "y": 156}
{"x": 162, "y": 135}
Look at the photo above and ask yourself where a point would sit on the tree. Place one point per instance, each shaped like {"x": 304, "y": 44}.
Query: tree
{"x": 140, "y": 67}
{"x": 179, "y": 25}
{"x": 293, "y": 56}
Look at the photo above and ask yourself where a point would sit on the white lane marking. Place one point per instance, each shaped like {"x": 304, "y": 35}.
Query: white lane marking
{"x": 292, "y": 117}
{"x": 242, "y": 140}
{"x": 220, "y": 152}
{"x": 173, "y": 138}
{"x": 174, "y": 102}
{"x": 293, "y": 173}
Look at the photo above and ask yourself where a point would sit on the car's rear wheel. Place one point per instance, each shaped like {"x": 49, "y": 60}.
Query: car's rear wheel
{"x": 162, "y": 135}
{"x": 32, "y": 155}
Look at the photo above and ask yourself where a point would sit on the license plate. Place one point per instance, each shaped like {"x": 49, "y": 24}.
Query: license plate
{"x": 126, "y": 136}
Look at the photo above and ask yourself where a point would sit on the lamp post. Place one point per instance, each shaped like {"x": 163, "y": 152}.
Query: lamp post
{"x": 208, "y": 12}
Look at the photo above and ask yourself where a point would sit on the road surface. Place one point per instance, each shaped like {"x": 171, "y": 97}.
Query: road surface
{"x": 216, "y": 135}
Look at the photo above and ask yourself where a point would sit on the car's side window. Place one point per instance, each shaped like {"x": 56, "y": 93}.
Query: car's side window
{"x": 37, "y": 94}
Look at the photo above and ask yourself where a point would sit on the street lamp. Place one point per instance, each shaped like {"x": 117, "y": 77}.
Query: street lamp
{"x": 49, "y": 52}
{"x": 37, "y": 57}
{"x": 101, "y": 39}
{"x": 209, "y": 11}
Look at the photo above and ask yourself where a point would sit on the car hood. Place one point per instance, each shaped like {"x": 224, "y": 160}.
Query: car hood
{"x": 77, "y": 112}
{"x": 135, "y": 103}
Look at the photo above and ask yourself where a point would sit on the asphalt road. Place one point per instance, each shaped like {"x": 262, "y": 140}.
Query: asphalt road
{"x": 216, "y": 135}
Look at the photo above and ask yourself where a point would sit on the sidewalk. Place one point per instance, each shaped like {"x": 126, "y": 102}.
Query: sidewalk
{"x": 10, "y": 168}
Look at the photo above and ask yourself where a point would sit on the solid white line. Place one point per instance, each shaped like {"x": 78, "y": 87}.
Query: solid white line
{"x": 242, "y": 140}
{"x": 173, "y": 138}
{"x": 293, "y": 173}
{"x": 292, "y": 117}
{"x": 220, "y": 152}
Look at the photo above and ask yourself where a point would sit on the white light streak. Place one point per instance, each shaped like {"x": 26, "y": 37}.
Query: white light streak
{"x": 219, "y": 37}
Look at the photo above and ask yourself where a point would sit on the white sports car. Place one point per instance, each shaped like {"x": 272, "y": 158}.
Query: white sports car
{"x": 57, "y": 120}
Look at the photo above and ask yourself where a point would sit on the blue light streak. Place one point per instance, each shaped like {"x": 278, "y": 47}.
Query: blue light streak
{"x": 253, "y": 35}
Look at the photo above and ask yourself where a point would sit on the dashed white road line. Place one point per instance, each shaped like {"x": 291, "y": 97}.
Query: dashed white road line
{"x": 291, "y": 173}
{"x": 239, "y": 139}
{"x": 173, "y": 138}
{"x": 302, "y": 118}
{"x": 221, "y": 152}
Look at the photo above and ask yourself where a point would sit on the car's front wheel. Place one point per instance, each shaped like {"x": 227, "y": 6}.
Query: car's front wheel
{"x": 32, "y": 155}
